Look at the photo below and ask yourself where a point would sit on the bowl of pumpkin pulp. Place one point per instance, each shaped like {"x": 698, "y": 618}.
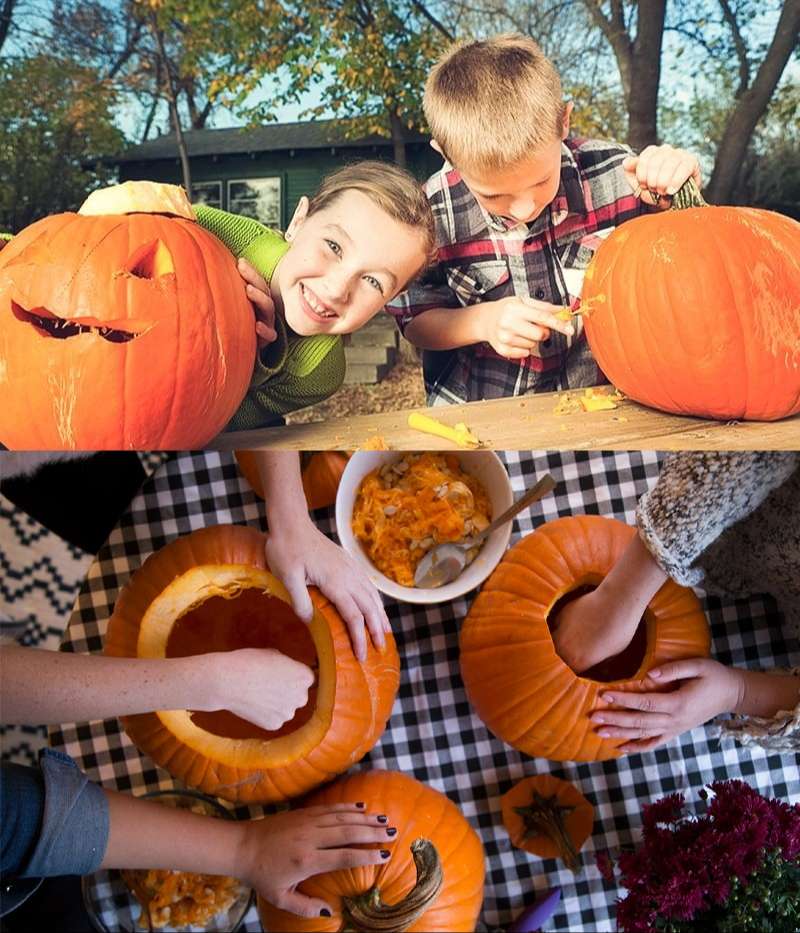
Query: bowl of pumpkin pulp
{"x": 392, "y": 508}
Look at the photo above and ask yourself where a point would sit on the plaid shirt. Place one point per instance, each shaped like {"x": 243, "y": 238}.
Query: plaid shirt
{"x": 485, "y": 258}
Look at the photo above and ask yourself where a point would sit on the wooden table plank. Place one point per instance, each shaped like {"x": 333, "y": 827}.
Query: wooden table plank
{"x": 529, "y": 422}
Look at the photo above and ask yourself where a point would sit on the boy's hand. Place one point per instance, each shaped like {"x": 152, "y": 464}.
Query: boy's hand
{"x": 261, "y": 685}
{"x": 278, "y": 852}
{"x": 659, "y": 171}
{"x": 263, "y": 305}
{"x": 302, "y": 556}
{"x": 513, "y": 326}
{"x": 707, "y": 689}
{"x": 591, "y": 629}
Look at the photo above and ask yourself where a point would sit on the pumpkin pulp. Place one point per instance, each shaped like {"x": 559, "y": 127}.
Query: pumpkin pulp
{"x": 252, "y": 619}
{"x": 219, "y": 607}
{"x": 622, "y": 666}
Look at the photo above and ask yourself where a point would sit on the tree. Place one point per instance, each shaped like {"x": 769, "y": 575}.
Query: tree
{"x": 54, "y": 116}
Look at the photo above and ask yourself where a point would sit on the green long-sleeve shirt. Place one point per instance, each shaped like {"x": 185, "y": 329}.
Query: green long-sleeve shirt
{"x": 293, "y": 371}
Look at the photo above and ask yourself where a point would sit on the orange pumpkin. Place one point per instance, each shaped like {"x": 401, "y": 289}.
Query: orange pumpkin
{"x": 418, "y": 812}
{"x": 548, "y": 817}
{"x": 121, "y": 330}
{"x": 514, "y": 678}
{"x": 211, "y": 591}
{"x": 697, "y": 311}
{"x": 320, "y": 471}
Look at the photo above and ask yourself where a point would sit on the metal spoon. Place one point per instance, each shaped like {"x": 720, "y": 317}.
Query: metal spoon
{"x": 443, "y": 563}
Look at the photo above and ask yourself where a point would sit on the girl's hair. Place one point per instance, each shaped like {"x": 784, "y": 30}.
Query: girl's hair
{"x": 394, "y": 190}
{"x": 491, "y": 103}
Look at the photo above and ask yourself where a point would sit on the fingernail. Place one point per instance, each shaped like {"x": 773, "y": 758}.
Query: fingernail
{"x": 655, "y": 674}
{"x": 598, "y": 718}
{"x": 604, "y": 733}
{"x": 383, "y": 819}
{"x": 391, "y": 831}
{"x": 608, "y": 698}
{"x": 385, "y": 853}
{"x": 672, "y": 190}
{"x": 325, "y": 912}
{"x": 360, "y": 804}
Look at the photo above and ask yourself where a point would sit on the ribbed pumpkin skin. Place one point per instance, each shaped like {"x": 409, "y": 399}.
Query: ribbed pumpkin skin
{"x": 417, "y": 811}
{"x": 363, "y": 698}
{"x": 174, "y": 386}
{"x": 697, "y": 312}
{"x": 517, "y": 684}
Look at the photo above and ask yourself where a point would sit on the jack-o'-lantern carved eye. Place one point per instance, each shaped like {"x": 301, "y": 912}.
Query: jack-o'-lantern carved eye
{"x": 151, "y": 261}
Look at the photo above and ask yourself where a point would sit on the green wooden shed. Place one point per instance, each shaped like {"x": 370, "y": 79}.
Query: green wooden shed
{"x": 264, "y": 172}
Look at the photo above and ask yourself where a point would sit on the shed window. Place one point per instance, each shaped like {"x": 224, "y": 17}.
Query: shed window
{"x": 256, "y": 197}
{"x": 207, "y": 192}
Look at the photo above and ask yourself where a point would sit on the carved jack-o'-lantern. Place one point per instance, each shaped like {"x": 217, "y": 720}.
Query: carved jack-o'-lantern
{"x": 123, "y": 326}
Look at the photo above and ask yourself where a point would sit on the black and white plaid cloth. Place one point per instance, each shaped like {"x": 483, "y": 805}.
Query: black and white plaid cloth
{"x": 433, "y": 734}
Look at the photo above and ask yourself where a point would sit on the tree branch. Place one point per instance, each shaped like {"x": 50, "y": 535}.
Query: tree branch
{"x": 739, "y": 44}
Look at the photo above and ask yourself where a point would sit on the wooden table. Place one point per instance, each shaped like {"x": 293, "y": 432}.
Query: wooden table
{"x": 529, "y": 422}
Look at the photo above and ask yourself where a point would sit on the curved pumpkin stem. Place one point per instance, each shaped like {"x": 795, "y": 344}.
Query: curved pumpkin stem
{"x": 544, "y": 816}
{"x": 688, "y": 195}
{"x": 368, "y": 912}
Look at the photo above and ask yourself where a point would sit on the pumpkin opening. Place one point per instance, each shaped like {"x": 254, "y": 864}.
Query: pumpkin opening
{"x": 622, "y": 666}
{"x": 251, "y": 619}
{"x": 48, "y": 324}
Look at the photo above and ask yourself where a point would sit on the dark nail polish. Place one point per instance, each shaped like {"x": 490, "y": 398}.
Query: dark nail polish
{"x": 391, "y": 831}
{"x": 385, "y": 853}
{"x": 360, "y": 804}
{"x": 324, "y": 912}
{"x": 383, "y": 819}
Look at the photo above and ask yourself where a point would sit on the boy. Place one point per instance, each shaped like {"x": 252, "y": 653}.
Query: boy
{"x": 519, "y": 210}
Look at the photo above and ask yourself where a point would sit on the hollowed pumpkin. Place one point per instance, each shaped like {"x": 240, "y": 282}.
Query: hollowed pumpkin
{"x": 387, "y": 897}
{"x": 515, "y": 680}
{"x": 210, "y": 591}
{"x": 697, "y": 311}
{"x": 127, "y": 329}
{"x": 321, "y": 471}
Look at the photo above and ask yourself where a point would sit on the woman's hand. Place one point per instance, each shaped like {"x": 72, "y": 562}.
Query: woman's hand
{"x": 279, "y": 852}
{"x": 588, "y": 630}
{"x": 300, "y": 555}
{"x": 706, "y": 689}
{"x": 264, "y": 307}
{"x": 261, "y": 685}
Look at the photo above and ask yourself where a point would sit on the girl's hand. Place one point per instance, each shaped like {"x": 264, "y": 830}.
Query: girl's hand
{"x": 264, "y": 307}
{"x": 279, "y": 852}
{"x": 513, "y": 326}
{"x": 300, "y": 555}
{"x": 659, "y": 171}
{"x": 261, "y": 685}
{"x": 707, "y": 689}
{"x": 590, "y": 629}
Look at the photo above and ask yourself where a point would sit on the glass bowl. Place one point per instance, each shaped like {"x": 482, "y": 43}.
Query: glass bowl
{"x": 113, "y": 908}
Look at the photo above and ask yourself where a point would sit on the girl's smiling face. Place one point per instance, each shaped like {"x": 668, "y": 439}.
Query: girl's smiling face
{"x": 344, "y": 263}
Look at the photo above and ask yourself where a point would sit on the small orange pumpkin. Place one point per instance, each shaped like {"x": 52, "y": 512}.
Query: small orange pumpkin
{"x": 514, "y": 678}
{"x": 450, "y": 902}
{"x": 697, "y": 310}
{"x": 211, "y": 591}
{"x": 548, "y": 817}
{"x": 321, "y": 471}
{"x": 128, "y": 329}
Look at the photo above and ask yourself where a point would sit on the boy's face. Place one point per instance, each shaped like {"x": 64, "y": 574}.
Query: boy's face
{"x": 344, "y": 263}
{"x": 520, "y": 192}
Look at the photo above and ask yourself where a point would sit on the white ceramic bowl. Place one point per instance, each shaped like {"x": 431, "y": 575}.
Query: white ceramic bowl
{"x": 485, "y": 466}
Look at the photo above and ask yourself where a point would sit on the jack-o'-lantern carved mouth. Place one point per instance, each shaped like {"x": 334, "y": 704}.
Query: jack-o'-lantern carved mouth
{"x": 48, "y": 324}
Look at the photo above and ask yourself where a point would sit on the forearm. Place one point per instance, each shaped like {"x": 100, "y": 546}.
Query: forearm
{"x": 53, "y": 687}
{"x": 766, "y": 694}
{"x": 446, "y": 328}
{"x": 633, "y": 581}
{"x": 143, "y": 834}
{"x": 283, "y": 489}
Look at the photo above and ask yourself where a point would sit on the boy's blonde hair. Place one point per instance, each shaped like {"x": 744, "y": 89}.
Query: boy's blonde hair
{"x": 394, "y": 190}
{"x": 492, "y": 103}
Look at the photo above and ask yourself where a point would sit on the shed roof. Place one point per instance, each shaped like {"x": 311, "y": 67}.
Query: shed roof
{"x": 268, "y": 138}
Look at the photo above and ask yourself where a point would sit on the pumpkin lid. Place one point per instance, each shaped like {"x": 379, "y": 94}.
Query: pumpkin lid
{"x": 139, "y": 197}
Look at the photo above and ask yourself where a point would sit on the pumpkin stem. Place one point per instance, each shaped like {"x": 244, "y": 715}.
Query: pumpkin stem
{"x": 545, "y": 817}
{"x": 688, "y": 195}
{"x": 368, "y": 912}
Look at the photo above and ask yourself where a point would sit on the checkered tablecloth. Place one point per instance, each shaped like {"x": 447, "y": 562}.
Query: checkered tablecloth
{"x": 432, "y": 733}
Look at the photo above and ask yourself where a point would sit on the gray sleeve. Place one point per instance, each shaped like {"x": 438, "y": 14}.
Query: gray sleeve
{"x": 74, "y": 832}
{"x": 698, "y": 495}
